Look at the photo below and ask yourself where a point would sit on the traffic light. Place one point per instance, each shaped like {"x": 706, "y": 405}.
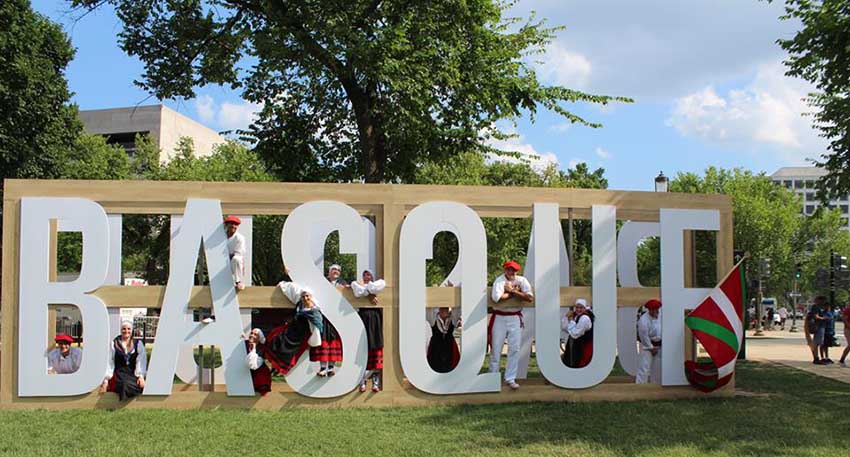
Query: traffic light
{"x": 840, "y": 262}
{"x": 798, "y": 272}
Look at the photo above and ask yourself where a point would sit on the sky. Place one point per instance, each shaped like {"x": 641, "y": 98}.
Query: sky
{"x": 706, "y": 77}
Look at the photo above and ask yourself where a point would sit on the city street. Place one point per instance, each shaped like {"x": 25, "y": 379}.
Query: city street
{"x": 790, "y": 349}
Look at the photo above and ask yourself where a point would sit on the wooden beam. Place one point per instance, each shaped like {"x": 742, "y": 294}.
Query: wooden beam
{"x": 272, "y": 297}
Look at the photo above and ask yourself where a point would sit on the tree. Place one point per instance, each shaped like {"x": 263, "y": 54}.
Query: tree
{"x": 350, "y": 90}
{"x": 818, "y": 53}
{"x": 819, "y": 236}
{"x": 38, "y": 125}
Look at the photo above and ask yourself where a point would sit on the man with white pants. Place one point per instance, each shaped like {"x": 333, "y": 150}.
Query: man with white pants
{"x": 649, "y": 335}
{"x": 507, "y": 321}
{"x": 236, "y": 249}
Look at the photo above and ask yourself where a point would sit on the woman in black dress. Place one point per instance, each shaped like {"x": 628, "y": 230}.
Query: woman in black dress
{"x": 128, "y": 364}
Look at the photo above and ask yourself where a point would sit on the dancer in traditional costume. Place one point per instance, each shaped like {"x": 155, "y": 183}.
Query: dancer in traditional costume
{"x": 236, "y": 249}
{"x": 578, "y": 323}
{"x": 369, "y": 287}
{"x": 506, "y": 321}
{"x": 128, "y": 364}
{"x": 261, "y": 375}
{"x": 287, "y": 342}
{"x": 64, "y": 359}
{"x": 649, "y": 336}
{"x": 443, "y": 353}
{"x": 330, "y": 351}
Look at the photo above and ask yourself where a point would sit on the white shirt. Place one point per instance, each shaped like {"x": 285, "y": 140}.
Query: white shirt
{"x": 254, "y": 360}
{"x": 236, "y": 245}
{"x": 576, "y": 329}
{"x": 649, "y": 330}
{"x": 371, "y": 288}
{"x": 141, "y": 360}
{"x": 783, "y": 313}
{"x": 519, "y": 282}
{"x": 58, "y": 364}
{"x": 293, "y": 292}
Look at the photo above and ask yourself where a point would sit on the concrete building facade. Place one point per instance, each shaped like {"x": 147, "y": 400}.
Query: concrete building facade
{"x": 803, "y": 180}
{"x": 163, "y": 124}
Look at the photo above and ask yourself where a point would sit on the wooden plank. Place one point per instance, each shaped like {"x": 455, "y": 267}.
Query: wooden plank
{"x": 8, "y": 363}
{"x": 169, "y": 197}
{"x": 272, "y": 297}
{"x": 276, "y": 400}
{"x": 392, "y": 376}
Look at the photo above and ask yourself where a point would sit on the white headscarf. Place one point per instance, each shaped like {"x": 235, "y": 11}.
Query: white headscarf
{"x": 261, "y": 337}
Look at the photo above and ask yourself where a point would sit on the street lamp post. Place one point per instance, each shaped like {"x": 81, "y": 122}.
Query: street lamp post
{"x": 661, "y": 182}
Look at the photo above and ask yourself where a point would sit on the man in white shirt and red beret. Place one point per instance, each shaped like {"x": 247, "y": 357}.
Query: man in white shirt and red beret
{"x": 64, "y": 359}
{"x": 236, "y": 249}
{"x": 506, "y": 321}
{"x": 649, "y": 335}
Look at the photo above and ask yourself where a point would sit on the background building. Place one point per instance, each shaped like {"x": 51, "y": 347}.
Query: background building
{"x": 163, "y": 124}
{"x": 803, "y": 180}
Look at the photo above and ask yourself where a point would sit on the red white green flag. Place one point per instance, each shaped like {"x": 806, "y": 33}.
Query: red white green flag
{"x": 718, "y": 325}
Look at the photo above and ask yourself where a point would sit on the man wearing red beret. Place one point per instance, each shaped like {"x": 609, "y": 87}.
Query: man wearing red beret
{"x": 649, "y": 335}
{"x": 506, "y": 321}
{"x": 64, "y": 359}
{"x": 236, "y": 249}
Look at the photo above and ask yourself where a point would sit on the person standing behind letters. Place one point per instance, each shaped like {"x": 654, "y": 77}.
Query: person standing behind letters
{"x": 506, "y": 322}
{"x": 578, "y": 323}
{"x": 649, "y": 335}
{"x": 64, "y": 359}
{"x": 374, "y": 324}
{"x": 236, "y": 250}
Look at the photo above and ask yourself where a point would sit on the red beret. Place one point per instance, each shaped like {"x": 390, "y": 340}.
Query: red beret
{"x": 63, "y": 338}
{"x": 511, "y": 264}
{"x": 653, "y": 304}
{"x": 233, "y": 220}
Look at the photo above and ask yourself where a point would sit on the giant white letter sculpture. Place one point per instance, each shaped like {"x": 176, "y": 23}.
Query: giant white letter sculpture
{"x": 547, "y": 298}
{"x": 37, "y": 291}
{"x": 415, "y": 246}
{"x": 674, "y": 295}
{"x": 296, "y": 245}
{"x": 628, "y": 241}
{"x": 201, "y": 225}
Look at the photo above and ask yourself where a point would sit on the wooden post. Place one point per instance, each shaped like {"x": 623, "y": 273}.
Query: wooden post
{"x": 392, "y": 217}
{"x": 9, "y": 361}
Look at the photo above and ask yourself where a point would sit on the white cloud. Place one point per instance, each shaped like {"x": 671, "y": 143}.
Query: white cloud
{"x": 654, "y": 49}
{"x": 563, "y": 67}
{"x": 227, "y": 115}
{"x": 205, "y": 106}
{"x": 602, "y": 153}
{"x": 238, "y": 115}
{"x": 560, "y": 128}
{"x": 527, "y": 154}
{"x": 766, "y": 112}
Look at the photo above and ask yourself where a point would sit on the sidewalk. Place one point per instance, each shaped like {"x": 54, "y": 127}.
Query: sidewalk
{"x": 790, "y": 349}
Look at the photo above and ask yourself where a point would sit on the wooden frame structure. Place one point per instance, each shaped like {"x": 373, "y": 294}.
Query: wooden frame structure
{"x": 388, "y": 204}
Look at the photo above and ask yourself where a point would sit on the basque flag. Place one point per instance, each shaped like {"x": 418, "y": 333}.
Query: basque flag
{"x": 717, "y": 325}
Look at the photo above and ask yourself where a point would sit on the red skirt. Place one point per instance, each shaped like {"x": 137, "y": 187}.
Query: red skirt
{"x": 376, "y": 359}
{"x": 329, "y": 351}
{"x": 284, "y": 350}
{"x": 262, "y": 378}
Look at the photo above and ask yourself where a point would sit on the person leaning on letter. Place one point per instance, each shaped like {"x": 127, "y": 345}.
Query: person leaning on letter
{"x": 649, "y": 336}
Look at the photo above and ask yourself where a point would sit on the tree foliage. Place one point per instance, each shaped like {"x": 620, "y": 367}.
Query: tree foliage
{"x": 38, "y": 125}
{"x": 819, "y": 53}
{"x": 356, "y": 89}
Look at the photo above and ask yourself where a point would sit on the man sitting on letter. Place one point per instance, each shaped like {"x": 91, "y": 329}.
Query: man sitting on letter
{"x": 507, "y": 321}
{"x": 236, "y": 249}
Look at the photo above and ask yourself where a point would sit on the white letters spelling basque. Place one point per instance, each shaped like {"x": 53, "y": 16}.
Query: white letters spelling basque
{"x": 201, "y": 226}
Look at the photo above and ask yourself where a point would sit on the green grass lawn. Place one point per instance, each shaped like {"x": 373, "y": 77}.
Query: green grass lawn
{"x": 801, "y": 415}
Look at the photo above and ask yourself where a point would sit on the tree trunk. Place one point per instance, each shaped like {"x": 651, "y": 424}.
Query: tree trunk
{"x": 371, "y": 133}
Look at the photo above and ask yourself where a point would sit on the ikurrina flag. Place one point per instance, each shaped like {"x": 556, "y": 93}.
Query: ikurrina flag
{"x": 717, "y": 325}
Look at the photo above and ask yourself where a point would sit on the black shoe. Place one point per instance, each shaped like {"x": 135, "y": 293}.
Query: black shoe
{"x": 819, "y": 362}
{"x": 828, "y": 362}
